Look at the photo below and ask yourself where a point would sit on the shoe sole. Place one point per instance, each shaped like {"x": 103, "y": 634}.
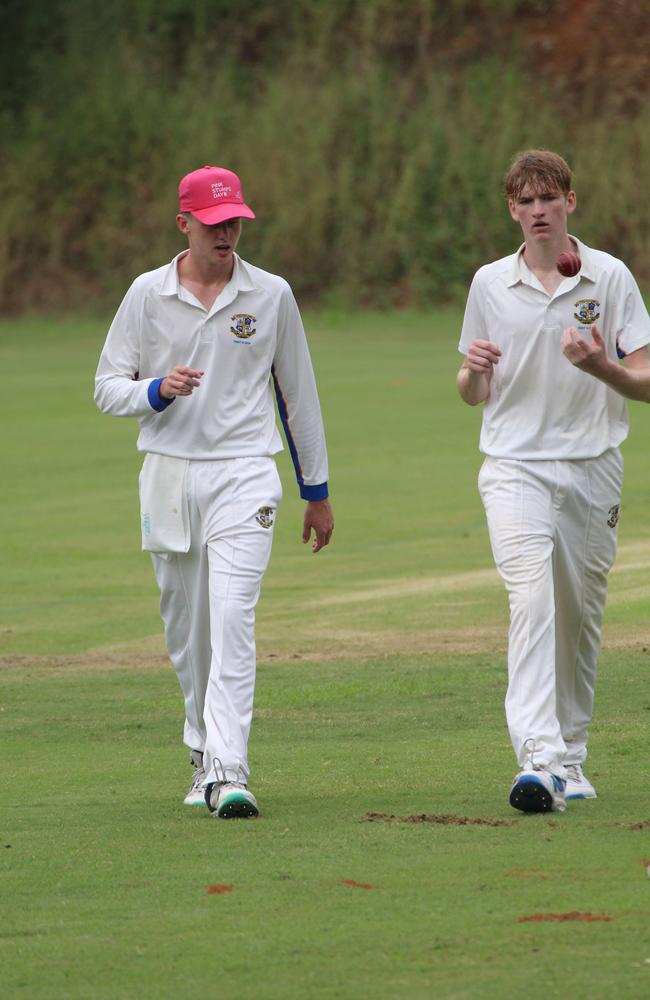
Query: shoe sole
{"x": 194, "y": 802}
{"x": 531, "y": 797}
{"x": 579, "y": 795}
{"x": 237, "y": 807}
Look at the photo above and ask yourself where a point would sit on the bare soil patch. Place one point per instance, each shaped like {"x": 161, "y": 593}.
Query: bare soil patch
{"x": 443, "y": 819}
{"x": 587, "y": 918}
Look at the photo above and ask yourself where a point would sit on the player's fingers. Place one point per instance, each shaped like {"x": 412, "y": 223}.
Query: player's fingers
{"x": 186, "y": 384}
{"x": 486, "y": 354}
{"x": 596, "y": 337}
{"x": 477, "y": 362}
{"x": 179, "y": 387}
{"x": 572, "y": 343}
{"x": 323, "y": 536}
{"x": 487, "y": 345}
{"x": 320, "y": 541}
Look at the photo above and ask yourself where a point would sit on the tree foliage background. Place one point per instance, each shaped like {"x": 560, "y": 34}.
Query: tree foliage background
{"x": 371, "y": 136}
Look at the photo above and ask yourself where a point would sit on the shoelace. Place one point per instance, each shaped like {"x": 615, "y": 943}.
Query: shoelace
{"x": 222, "y": 779}
{"x": 529, "y": 747}
{"x": 197, "y": 780}
{"x": 574, "y": 772}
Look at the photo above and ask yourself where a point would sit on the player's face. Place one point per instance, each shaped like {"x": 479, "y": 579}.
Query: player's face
{"x": 211, "y": 244}
{"x": 542, "y": 215}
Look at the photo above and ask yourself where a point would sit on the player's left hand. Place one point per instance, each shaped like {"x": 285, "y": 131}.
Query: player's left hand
{"x": 589, "y": 356}
{"x": 319, "y": 516}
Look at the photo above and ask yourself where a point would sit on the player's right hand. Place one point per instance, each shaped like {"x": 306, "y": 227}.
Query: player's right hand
{"x": 182, "y": 381}
{"x": 482, "y": 356}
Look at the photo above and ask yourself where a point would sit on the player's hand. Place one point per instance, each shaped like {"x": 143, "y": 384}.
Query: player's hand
{"x": 482, "y": 356}
{"x": 588, "y": 355}
{"x": 181, "y": 381}
{"x": 319, "y": 517}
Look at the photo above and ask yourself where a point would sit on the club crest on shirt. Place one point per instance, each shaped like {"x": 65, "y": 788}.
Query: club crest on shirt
{"x": 587, "y": 310}
{"x": 264, "y": 517}
{"x": 613, "y": 515}
{"x": 244, "y": 325}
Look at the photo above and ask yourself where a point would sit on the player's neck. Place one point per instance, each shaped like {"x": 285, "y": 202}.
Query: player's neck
{"x": 541, "y": 260}
{"x": 206, "y": 280}
{"x": 210, "y": 274}
{"x": 542, "y": 257}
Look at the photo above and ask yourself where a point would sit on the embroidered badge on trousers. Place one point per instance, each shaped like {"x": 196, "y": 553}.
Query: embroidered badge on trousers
{"x": 613, "y": 515}
{"x": 264, "y": 517}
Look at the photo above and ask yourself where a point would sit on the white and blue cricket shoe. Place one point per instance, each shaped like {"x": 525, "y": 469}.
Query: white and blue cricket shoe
{"x": 538, "y": 790}
{"x": 578, "y": 785}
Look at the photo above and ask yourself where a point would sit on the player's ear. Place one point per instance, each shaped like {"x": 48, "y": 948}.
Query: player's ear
{"x": 182, "y": 223}
{"x": 571, "y": 202}
{"x": 512, "y": 208}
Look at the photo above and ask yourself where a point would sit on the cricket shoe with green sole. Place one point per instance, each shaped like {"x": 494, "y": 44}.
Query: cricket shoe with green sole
{"x": 230, "y": 800}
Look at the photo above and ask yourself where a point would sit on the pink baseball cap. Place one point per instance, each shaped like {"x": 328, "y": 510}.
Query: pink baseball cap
{"x": 213, "y": 195}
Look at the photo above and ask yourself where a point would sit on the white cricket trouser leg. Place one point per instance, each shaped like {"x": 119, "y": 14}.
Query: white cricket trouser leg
{"x": 581, "y": 568}
{"x": 553, "y": 546}
{"x": 208, "y": 599}
{"x": 185, "y": 611}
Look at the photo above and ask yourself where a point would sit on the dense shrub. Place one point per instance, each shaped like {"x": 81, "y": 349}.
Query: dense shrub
{"x": 371, "y": 137}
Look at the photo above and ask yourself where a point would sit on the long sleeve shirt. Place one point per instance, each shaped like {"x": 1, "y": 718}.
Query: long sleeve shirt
{"x": 251, "y": 345}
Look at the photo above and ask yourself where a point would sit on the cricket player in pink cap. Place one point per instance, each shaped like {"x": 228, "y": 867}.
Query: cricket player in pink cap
{"x": 197, "y": 352}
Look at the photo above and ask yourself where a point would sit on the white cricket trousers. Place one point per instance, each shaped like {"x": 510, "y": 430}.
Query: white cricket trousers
{"x": 552, "y": 528}
{"x": 207, "y": 603}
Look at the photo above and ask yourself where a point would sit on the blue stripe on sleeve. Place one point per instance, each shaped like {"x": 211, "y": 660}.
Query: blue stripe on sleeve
{"x": 319, "y": 492}
{"x": 284, "y": 417}
{"x": 156, "y": 401}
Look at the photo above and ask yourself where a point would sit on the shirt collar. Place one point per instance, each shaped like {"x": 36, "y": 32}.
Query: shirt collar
{"x": 241, "y": 280}
{"x": 520, "y": 272}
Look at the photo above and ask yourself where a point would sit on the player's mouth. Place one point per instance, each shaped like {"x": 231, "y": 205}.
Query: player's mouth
{"x": 223, "y": 248}
{"x": 539, "y": 226}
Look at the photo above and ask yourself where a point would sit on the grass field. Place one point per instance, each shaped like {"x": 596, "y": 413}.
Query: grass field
{"x": 380, "y": 691}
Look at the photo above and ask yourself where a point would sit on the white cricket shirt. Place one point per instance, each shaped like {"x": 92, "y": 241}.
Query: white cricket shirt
{"x": 541, "y": 406}
{"x": 252, "y": 335}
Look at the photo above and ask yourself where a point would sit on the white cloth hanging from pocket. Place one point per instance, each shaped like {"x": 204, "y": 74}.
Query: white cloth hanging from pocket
{"x": 164, "y": 509}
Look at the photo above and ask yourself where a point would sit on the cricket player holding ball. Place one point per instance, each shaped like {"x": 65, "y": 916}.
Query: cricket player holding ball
{"x": 552, "y": 475}
{"x": 193, "y": 352}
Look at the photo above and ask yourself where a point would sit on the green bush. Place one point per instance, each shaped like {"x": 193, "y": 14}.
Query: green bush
{"x": 371, "y": 138}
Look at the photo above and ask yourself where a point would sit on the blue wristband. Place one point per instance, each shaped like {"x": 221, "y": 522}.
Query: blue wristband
{"x": 156, "y": 401}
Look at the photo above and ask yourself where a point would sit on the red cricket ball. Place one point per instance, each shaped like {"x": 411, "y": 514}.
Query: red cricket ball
{"x": 568, "y": 263}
